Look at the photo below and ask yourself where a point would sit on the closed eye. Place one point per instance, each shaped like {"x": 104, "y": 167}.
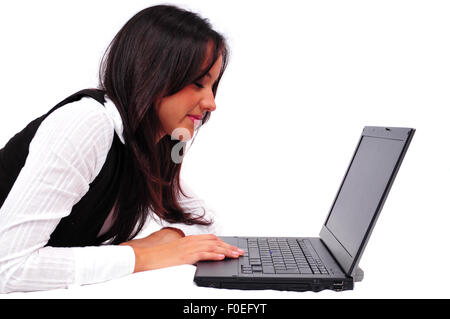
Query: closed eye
{"x": 200, "y": 86}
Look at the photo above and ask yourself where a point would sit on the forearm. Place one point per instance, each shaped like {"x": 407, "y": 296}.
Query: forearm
{"x": 44, "y": 269}
{"x": 52, "y": 268}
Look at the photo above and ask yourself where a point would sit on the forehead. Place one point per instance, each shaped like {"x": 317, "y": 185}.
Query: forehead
{"x": 214, "y": 69}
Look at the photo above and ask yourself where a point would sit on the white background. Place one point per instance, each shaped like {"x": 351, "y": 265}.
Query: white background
{"x": 303, "y": 80}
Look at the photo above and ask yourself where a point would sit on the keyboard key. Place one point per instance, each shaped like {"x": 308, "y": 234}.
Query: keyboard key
{"x": 305, "y": 270}
{"x": 257, "y": 268}
{"x": 253, "y": 252}
{"x": 268, "y": 269}
{"x": 255, "y": 261}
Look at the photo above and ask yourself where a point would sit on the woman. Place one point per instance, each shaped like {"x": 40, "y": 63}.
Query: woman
{"x": 78, "y": 183}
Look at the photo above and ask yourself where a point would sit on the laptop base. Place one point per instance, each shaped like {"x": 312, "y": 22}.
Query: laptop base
{"x": 226, "y": 274}
{"x": 277, "y": 284}
{"x": 336, "y": 285}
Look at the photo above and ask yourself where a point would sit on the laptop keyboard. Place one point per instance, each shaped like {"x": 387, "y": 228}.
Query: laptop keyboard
{"x": 280, "y": 256}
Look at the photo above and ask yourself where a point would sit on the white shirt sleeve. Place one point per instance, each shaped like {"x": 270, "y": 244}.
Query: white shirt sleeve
{"x": 66, "y": 154}
{"x": 193, "y": 204}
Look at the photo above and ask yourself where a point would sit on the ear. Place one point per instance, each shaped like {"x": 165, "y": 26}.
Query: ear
{"x": 157, "y": 103}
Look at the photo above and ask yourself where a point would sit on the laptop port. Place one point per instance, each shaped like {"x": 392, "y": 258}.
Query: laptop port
{"x": 338, "y": 286}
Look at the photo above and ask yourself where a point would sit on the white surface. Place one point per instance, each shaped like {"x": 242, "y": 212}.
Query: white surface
{"x": 304, "y": 78}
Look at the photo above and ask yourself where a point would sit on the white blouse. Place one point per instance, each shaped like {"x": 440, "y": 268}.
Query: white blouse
{"x": 66, "y": 154}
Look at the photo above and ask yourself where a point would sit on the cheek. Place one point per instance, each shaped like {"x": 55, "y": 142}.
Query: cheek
{"x": 174, "y": 109}
{"x": 183, "y": 103}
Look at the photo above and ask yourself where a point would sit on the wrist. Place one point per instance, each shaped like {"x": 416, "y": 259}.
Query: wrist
{"x": 138, "y": 255}
{"x": 139, "y": 262}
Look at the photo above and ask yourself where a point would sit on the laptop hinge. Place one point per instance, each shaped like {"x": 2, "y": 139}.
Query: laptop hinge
{"x": 357, "y": 274}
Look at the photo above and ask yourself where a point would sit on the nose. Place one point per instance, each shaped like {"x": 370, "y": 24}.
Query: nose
{"x": 208, "y": 103}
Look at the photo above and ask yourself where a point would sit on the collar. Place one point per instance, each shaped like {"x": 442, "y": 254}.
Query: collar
{"x": 112, "y": 111}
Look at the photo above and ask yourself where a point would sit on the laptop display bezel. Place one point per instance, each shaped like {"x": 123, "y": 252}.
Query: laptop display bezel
{"x": 346, "y": 261}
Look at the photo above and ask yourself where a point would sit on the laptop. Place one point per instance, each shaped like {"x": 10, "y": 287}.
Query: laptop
{"x": 329, "y": 261}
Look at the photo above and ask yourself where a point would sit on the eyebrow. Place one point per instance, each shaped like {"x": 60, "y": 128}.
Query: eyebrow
{"x": 207, "y": 75}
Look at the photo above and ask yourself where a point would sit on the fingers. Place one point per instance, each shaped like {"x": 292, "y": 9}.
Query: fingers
{"x": 210, "y": 256}
{"x": 223, "y": 247}
{"x": 211, "y": 247}
{"x": 227, "y": 250}
{"x": 233, "y": 250}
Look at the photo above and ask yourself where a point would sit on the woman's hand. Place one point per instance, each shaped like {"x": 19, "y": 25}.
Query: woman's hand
{"x": 185, "y": 250}
{"x": 162, "y": 236}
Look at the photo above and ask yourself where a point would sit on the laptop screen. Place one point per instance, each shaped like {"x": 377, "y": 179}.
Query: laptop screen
{"x": 361, "y": 192}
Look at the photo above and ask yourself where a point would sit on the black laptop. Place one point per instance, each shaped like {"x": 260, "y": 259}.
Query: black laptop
{"x": 331, "y": 260}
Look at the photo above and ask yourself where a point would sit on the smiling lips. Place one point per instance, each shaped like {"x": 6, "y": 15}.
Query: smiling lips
{"x": 195, "y": 118}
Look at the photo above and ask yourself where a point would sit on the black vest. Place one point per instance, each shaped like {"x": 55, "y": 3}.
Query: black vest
{"x": 82, "y": 226}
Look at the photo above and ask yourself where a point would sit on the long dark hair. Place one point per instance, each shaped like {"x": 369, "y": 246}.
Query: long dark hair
{"x": 157, "y": 53}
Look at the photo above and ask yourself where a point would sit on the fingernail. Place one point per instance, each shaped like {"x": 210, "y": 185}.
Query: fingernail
{"x": 241, "y": 250}
{"x": 235, "y": 253}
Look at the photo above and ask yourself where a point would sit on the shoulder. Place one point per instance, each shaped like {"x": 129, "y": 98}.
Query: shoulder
{"x": 79, "y": 120}
{"x": 78, "y": 132}
{"x": 82, "y": 112}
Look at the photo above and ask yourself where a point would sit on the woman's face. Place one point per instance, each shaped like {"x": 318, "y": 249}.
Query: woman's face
{"x": 178, "y": 112}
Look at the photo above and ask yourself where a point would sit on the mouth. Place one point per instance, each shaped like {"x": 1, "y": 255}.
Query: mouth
{"x": 195, "y": 117}
{"x": 196, "y": 120}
